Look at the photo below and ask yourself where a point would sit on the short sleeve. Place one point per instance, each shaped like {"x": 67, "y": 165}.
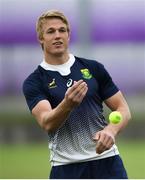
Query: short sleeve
{"x": 107, "y": 87}
{"x": 33, "y": 92}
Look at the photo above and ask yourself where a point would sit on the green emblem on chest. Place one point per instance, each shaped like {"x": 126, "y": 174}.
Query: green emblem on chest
{"x": 86, "y": 73}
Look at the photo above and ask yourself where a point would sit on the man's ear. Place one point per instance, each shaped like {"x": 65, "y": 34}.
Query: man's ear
{"x": 69, "y": 36}
{"x": 40, "y": 41}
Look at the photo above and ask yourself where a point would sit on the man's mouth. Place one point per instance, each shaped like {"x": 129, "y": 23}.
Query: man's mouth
{"x": 57, "y": 43}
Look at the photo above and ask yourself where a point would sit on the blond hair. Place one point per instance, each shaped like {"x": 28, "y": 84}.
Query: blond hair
{"x": 49, "y": 15}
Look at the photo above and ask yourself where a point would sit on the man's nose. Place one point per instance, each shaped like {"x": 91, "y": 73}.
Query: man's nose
{"x": 57, "y": 34}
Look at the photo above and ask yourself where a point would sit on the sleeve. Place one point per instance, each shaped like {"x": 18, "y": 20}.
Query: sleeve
{"x": 33, "y": 92}
{"x": 107, "y": 87}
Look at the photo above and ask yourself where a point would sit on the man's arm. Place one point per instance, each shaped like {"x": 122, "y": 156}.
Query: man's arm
{"x": 51, "y": 119}
{"x": 106, "y": 138}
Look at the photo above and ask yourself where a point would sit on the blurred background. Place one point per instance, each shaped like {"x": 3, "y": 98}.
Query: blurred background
{"x": 109, "y": 31}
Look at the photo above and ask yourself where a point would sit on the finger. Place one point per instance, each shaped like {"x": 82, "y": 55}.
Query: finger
{"x": 73, "y": 90}
{"x": 76, "y": 84}
{"x": 107, "y": 140}
{"x": 110, "y": 142}
{"x": 75, "y": 94}
{"x": 96, "y": 136}
{"x": 80, "y": 86}
{"x": 81, "y": 94}
{"x": 101, "y": 137}
{"x": 79, "y": 90}
{"x": 106, "y": 143}
{"x": 101, "y": 143}
{"x": 100, "y": 147}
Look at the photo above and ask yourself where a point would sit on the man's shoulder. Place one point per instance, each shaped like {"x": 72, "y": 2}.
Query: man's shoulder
{"x": 90, "y": 62}
{"x": 34, "y": 76}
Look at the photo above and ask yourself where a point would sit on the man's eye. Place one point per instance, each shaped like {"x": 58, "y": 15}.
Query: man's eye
{"x": 50, "y": 32}
{"x": 62, "y": 30}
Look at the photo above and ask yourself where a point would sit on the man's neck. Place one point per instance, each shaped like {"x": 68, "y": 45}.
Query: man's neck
{"x": 56, "y": 59}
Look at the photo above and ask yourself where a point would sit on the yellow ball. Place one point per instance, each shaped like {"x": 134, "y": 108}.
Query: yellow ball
{"x": 115, "y": 117}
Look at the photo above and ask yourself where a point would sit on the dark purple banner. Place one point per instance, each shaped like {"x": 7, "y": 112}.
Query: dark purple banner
{"x": 106, "y": 20}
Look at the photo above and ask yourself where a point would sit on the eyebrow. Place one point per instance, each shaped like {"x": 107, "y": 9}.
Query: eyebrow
{"x": 62, "y": 27}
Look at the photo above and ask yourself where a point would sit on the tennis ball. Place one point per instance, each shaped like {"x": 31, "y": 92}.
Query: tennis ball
{"x": 115, "y": 117}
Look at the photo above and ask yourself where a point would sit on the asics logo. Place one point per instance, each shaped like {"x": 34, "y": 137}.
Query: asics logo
{"x": 69, "y": 83}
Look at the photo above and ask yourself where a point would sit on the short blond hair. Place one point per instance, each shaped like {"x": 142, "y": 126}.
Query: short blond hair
{"x": 49, "y": 15}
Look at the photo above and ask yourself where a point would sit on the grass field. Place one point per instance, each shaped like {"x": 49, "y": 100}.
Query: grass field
{"x": 27, "y": 161}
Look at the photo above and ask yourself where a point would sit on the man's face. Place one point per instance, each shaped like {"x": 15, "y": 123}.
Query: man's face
{"x": 55, "y": 37}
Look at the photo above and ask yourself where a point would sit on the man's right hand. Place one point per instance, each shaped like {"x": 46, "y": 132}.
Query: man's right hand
{"x": 75, "y": 94}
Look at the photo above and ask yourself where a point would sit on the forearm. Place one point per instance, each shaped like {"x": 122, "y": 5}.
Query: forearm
{"x": 73, "y": 97}
{"x": 54, "y": 119}
{"x": 106, "y": 138}
{"x": 116, "y": 128}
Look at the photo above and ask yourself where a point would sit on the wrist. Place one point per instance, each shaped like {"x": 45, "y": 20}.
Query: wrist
{"x": 65, "y": 106}
{"x": 113, "y": 129}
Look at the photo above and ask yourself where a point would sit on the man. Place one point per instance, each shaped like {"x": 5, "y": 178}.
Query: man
{"x": 65, "y": 94}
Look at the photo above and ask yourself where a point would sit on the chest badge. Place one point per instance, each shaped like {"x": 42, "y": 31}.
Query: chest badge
{"x": 52, "y": 84}
{"x": 86, "y": 73}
